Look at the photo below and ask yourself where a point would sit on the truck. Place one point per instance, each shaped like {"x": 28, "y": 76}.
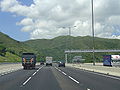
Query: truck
{"x": 111, "y": 60}
{"x": 107, "y": 60}
{"x": 49, "y": 61}
{"x": 28, "y": 60}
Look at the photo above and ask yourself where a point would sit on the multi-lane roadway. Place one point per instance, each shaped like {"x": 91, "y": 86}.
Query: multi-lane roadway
{"x": 57, "y": 78}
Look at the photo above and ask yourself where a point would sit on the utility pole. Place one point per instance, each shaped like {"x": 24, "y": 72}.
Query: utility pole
{"x": 93, "y": 34}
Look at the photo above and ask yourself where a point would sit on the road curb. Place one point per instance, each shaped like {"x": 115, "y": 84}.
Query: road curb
{"x": 95, "y": 69}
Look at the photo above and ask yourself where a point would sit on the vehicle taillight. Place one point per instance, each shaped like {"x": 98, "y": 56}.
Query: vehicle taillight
{"x": 31, "y": 60}
{"x": 24, "y": 60}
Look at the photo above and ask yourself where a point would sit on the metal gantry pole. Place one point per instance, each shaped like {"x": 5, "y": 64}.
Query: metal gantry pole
{"x": 93, "y": 34}
{"x": 66, "y": 58}
{"x": 70, "y": 42}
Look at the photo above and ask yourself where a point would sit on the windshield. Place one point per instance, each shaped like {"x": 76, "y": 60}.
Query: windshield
{"x": 59, "y": 44}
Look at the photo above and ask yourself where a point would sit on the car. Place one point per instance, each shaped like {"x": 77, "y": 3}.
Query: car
{"x": 41, "y": 62}
{"x": 61, "y": 63}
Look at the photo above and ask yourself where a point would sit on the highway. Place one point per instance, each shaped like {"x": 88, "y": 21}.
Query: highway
{"x": 57, "y": 78}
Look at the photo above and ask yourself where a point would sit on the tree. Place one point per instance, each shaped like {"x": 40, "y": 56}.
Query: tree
{"x": 2, "y": 50}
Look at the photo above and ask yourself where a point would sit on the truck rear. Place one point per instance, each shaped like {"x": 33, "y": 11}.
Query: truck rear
{"x": 107, "y": 60}
{"x": 49, "y": 61}
{"x": 28, "y": 60}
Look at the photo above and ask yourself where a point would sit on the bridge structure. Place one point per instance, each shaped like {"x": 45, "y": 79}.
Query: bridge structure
{"x": 88, "y": 51}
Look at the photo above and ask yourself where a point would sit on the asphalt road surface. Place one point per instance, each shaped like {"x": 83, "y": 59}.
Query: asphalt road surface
{"x": 57, "y": 78}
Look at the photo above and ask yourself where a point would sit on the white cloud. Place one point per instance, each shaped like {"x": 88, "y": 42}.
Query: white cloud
{"x": 43, "y": 17}
{"x": 27, "y": 28}
{"x": 26, "y": 21}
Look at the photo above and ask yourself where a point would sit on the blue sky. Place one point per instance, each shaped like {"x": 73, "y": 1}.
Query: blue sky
{"x": 8, "y": 24}
{"x": 37, "y": 19}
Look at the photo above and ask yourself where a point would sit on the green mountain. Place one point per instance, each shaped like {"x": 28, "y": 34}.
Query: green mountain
{"x": 55, "y": 47}
{"x": 11, "y": 50}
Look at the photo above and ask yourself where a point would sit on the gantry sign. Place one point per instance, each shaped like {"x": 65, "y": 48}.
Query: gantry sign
{"x": 78, "y": 51}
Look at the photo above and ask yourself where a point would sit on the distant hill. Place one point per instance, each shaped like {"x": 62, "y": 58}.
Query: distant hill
{"x": 11, "y": 50}
{"x": 55, "y": 47}
{"x": 9, "y": 46}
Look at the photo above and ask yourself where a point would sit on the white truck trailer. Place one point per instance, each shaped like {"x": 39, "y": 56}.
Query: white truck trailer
{"x": 49, "y": 61}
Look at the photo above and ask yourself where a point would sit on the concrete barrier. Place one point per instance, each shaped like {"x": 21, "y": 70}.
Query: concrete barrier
{"x": 97, "y": 68}
{"x": 4, "y": 68}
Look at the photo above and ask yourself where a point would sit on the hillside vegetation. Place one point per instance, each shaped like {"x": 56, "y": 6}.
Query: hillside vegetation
{"x": 55, "y": 47}
{"x": 11, "y": 50}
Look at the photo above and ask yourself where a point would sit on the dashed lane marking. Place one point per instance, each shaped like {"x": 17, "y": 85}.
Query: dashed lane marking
{"x": 34, "y": 73}
{"x": 30, "y": 77}
{"x": 64, "y": 73}
{"x": 73, "y": 79}
{"x": 88, "y": 89}
{"x": 27, "y": 80}
{"x": 67, "y": 75}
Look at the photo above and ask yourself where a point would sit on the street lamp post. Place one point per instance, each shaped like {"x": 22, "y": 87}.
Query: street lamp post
{"x": 70, "y": 41}
{"x": 69, "y": 33}
{"x": 93, "y": 34}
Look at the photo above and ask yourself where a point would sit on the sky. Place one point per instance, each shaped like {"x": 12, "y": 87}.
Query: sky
{"x": 37, "y": 19}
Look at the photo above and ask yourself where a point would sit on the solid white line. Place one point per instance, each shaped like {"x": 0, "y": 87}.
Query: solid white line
{"x": 64, "y": 73}
{"x": 104, "y": 75}
{"x": 26, "y": 81}
{"x": 73, "y": 79}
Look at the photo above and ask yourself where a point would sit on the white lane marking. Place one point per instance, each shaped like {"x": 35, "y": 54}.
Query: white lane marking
{"x": 30, "y": 77}
{"x": 56, "y": 68}
{"x": 34, "y": 73}
{"x": 67, "y": 75}
{"x": 64, "y": 73}
{"x": 59, "y": 70}
{"x": 73, "y": 79}
{"x": 104, "y": 75}
{"x": 88, "y": 89}
{"x": 26, "y": 81}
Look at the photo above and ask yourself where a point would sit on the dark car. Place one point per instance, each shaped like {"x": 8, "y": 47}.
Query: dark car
{"x": 41, "y": 62}
{"x": 61, "y": 63}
